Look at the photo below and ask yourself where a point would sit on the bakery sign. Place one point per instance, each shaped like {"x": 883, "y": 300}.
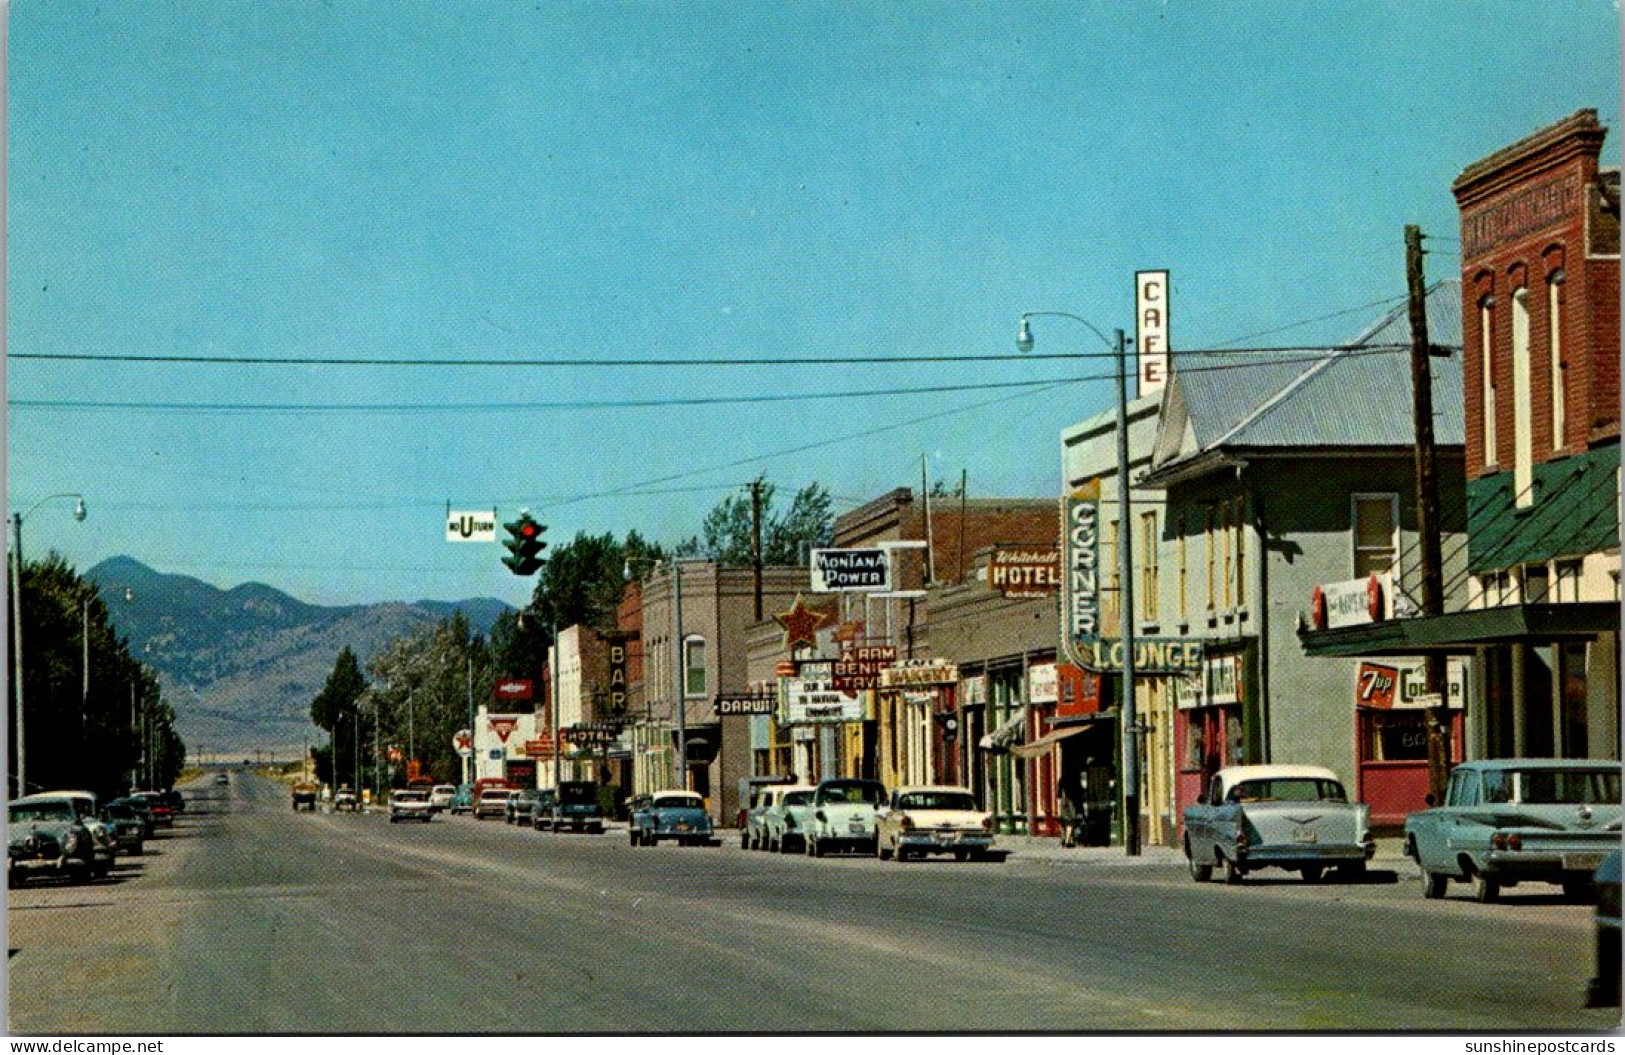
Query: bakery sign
{"x": 933, "y": 673}
{"x": 1025, "y": 572}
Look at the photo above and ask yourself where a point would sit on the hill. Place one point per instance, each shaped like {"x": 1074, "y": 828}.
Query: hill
{"x": 240, "y": 666}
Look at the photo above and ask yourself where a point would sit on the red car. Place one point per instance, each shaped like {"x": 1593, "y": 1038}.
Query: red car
{"x": 163, "y": 815}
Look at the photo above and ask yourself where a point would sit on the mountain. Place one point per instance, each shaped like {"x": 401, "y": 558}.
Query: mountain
{"x": 240, "y": 666}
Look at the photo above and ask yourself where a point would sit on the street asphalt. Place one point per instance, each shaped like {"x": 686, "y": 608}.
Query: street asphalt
{"x": 250, "y": 918}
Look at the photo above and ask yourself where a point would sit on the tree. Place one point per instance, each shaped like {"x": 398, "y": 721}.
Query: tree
{"x": 96, "y": 739}
{"x": 726, "y": 535}
{"x": 334, "y": 710}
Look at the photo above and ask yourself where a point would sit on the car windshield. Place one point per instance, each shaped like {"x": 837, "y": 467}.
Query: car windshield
{"x": 494, "y": 793}
{"x": 1288, "y": 789}
{"x": 119, "y": 810}
{"x": 1564, "y": 787}
{"x": 937, "y": 800}
{"x": 798, "y": 798}
{"x": 856, "y": 792}
{"x": 678, "y": 802}
{"x": 444, "y": 789}
{"x": 41, "y": 811}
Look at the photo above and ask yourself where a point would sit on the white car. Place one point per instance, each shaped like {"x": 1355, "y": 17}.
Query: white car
{"x": 843, "y": 816}
{"x": 784, "y": 823}
{"x": 493, "y": 802}
{"x": 410, "y": 804}
{"x": 440, "y": 797}
{"x": 917, "y": 821}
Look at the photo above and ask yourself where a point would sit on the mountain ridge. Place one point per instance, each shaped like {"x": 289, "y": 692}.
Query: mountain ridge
{"x": 240, "y": 665}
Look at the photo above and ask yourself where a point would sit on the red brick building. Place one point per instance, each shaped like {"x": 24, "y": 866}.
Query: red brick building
{"x": 1540, "y": 306}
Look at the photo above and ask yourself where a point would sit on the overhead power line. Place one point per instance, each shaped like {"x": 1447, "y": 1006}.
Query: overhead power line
{"x": 1280, "y": 357}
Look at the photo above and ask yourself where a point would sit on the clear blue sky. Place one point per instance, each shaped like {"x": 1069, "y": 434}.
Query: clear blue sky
{"x": 487, "y": 180}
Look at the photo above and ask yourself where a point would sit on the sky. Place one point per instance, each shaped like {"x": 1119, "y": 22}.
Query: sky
{"x": 460, "y": 183}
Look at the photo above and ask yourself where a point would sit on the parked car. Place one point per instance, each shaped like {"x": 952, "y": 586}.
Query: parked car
{"x": 129, "y": 827}
{"x": 102, "y": 834}
{"x": 843, "y": 816}
{"x": 784, "y": 823}
{"x": 575, "y": 806}
{"x": 345, "y": 799}
{"x": 1603, "y": 989}
{"x": 163, "y": 814}
{"x": 752, "y": 830}
{"x": 1298, "y": 818}
{"x": 750, "y": 794}
{"x": 409, "y": 804}
{"x": 463, "y": 800}
{"x": 675, "y": 815}
{"x": 542, "y": 815}
{"x": 933, "y": 820}
{"x": 493, "y": 802}
{"x": 440, "y": 797}
{"x": 1512, "y": 820}
{"x": 222, "y": 779}
{"x": 138, "y": 808}
{"x": 521, "y": 806}
{"x": 177, "y": 801}
{"x": 47, "y": 838}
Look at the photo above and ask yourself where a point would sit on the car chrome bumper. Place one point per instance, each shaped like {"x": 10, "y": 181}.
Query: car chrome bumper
{"x": 1535, "y": 863}
{"x": 949, "y": 840}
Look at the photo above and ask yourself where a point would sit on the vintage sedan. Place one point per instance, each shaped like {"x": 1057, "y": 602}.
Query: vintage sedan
{"x": 47, "y": 838}
{"x": 441, "y": 796}
{"x": 1511, "y": 820}
{"x": 843, "y": 816}
{"x": 918, "y": 821}
{"x": 492, "y": 802}
{"x": 1603, "y": 988}
{"x": 1296, "y": 818}
{"x": 129, "y": 828}
{"x": 102, "y": 834}
{"x": 676, "y": 815}
{"x": 345, "y": 799}
{"x": 410, "y": 804}
{"x": 574, "y": 807}
{"x": 521, "y": 806}
{"x": 785, "y": 823}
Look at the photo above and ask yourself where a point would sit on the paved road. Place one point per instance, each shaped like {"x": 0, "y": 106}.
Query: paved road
{"x": 250, "y": 918}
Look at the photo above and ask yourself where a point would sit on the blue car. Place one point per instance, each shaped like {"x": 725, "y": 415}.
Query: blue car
{"x": 676, "y": 815}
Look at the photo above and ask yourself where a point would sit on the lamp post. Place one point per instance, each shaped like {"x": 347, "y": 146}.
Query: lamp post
{"x": 17, "y": 615}
{"x": 1125, "y": 554}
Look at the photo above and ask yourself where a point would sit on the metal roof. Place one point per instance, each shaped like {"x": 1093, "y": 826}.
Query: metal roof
{"x": 1354, "y": 395}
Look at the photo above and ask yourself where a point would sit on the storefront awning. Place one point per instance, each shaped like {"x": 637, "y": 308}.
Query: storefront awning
{"x": 1459, "y": 633}
{"x": 1034, "y": 748}
{"x": 1006, "y": 732}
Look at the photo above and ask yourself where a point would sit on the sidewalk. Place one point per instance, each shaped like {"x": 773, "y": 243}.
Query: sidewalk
{"x": 1048, "y": 850}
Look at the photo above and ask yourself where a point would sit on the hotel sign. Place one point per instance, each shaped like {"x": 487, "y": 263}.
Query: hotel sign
{"x": 1025, "y": 572}
{"x": 1083, "y": 564}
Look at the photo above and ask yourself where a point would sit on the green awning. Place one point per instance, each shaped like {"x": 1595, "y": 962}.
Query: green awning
{"x": 1460, "y": 633}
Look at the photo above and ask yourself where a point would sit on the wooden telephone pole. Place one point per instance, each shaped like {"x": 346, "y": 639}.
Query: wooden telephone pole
{"x": 1427, "y": 510}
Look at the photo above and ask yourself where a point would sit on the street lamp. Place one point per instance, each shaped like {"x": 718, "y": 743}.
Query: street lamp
{"x": 1125, "y": 533}
{"x": 17, "y": 614}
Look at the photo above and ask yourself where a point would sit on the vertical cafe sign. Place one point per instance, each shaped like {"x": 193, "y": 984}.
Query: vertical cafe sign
{"x": 1151, "y": 319}
{"x": 1082, "y": 578}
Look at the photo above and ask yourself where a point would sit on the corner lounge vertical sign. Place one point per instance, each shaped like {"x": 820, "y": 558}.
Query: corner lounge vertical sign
{"x": 1083, "y": 563}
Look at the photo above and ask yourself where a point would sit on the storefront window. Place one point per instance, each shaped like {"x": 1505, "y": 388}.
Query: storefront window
{"x": 1375, "y": 533}
{"x": 1396, "y": 736}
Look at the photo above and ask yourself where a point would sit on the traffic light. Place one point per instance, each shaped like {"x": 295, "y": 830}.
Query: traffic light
{"x": 524, "y": 544}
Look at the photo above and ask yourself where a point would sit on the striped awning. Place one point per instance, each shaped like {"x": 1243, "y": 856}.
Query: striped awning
{"x": 1034, "y": 748}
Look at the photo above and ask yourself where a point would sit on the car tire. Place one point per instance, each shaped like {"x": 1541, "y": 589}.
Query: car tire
{"x": 1199, "y": 872}
{"x": 1434, "y": 885}
{"x": 880, "y": 850}
{"x": 1230, "y": 871}
{"x": 961, "y": 855}
{"x": 1578, "y": 890}
{"x": 812, "y": 846}
{"x": 1312, "y": 873}
{"x": 1486, "y": 889}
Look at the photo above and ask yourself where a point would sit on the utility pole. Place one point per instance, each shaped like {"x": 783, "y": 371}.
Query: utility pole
{"x": 1125, "y": 552}
{"x": 930, "y": 550}
{"x": 1427, "y": 508}
{"x": 17, "y": 647}
{"x": 680, "y": 680}
{"x": 756, "y": 541}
